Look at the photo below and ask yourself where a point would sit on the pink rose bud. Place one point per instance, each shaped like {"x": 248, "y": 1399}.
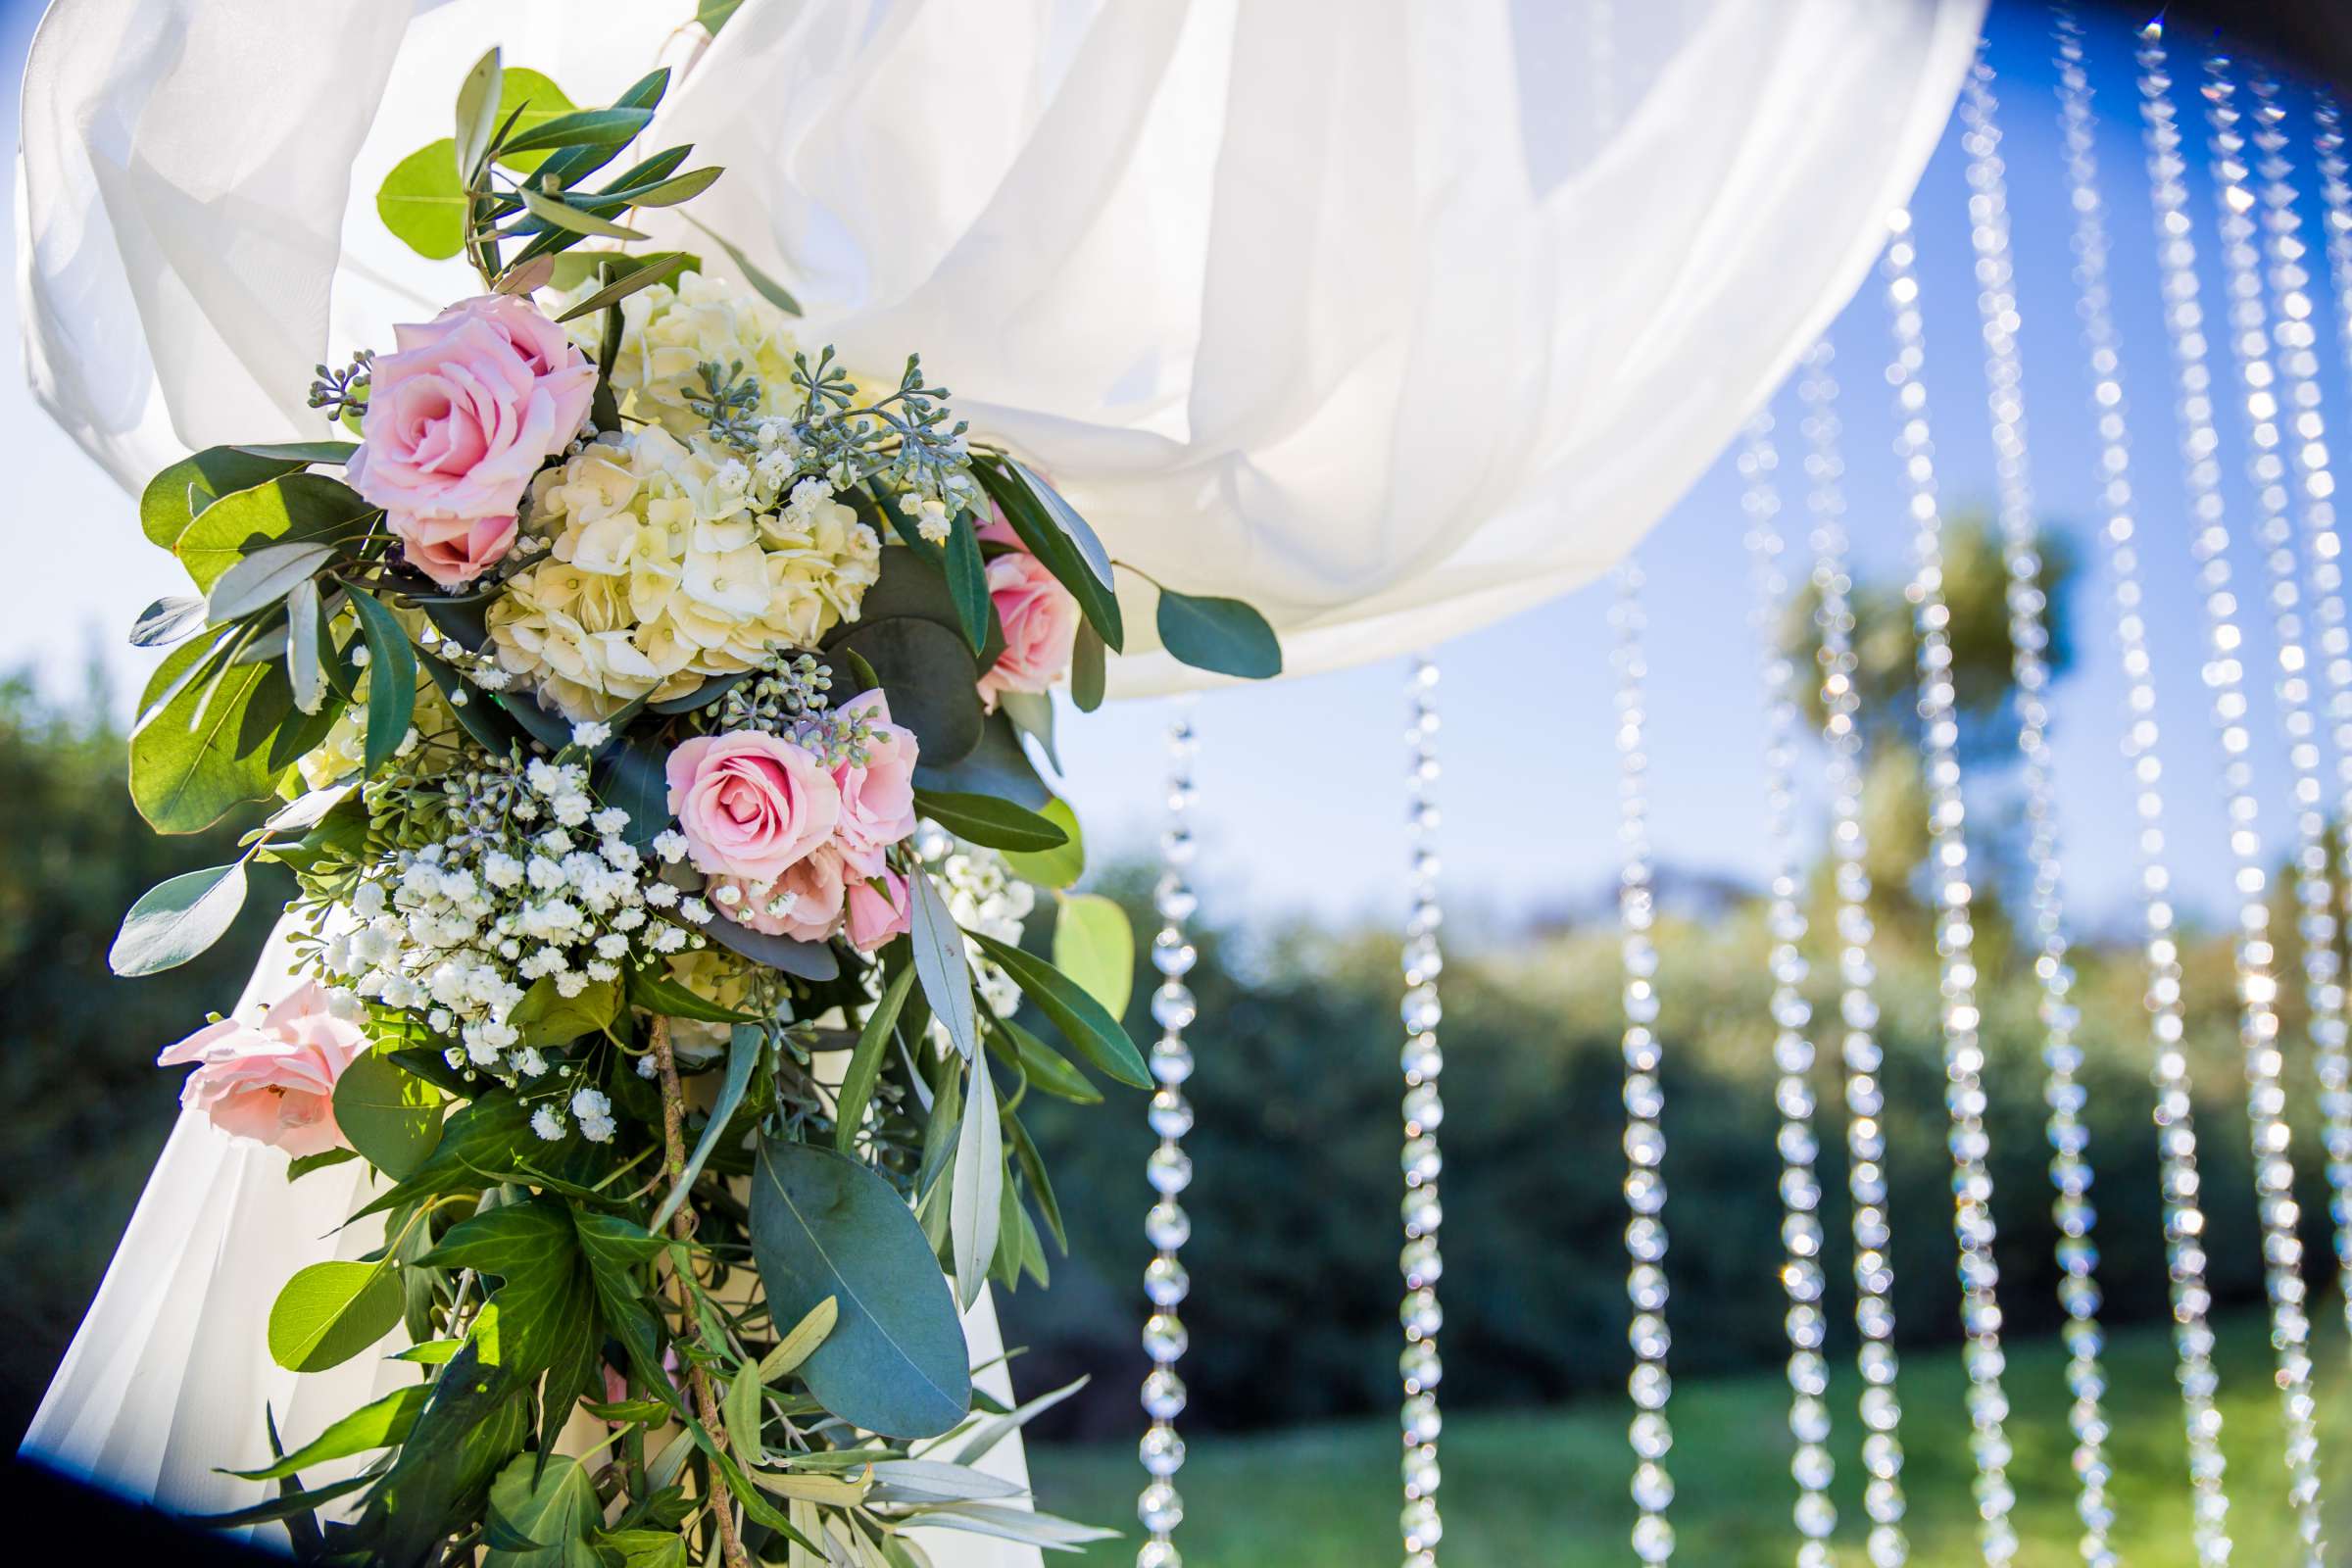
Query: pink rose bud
{"x": 458, "y": 419}
{"x": 1041, "y": 626}
{"x": 275, "y": 1084}
{"x": 877, "y": 798}
{"x": 804, "y": 903}
{"x": 750, "y": 804}
{"x": 879, "y": 908}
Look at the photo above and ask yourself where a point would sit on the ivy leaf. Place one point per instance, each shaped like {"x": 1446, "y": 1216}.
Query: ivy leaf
{"x": 1094, "y": 944}
{"x": 1082, "y": 1020}
{"x": 177, "y": 920}
{"x": 1060, "y": 866}
{"x": 551, "y": 1500}
{"x": 1224, "y": 636}
{"x": 329, "y": 1312}
{"x": 392, "y": 1116}
{"x": 826, "y": 1225}
{"x": 986, "y": 819}
{"x": 545, "y": 1299}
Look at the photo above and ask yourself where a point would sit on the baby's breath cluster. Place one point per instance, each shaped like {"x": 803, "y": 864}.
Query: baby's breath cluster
{"x": 506, "y": 873}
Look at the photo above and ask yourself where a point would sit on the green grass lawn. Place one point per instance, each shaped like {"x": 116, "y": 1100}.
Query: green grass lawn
{"x": 1549, "y": 1487}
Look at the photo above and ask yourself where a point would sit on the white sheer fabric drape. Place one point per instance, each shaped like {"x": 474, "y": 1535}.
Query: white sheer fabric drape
{"x": 1349, "y": 307}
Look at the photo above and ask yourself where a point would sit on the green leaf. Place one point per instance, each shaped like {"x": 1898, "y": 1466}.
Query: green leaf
{"x": 634, "y": 776}
{"x": 1094, "y": 944}
{"x": 265, "y": 577}
{"x": 392, "y": 1116}
{"x": 928, "y": 673}
{"x": 582, "y": 128}
{"x": 302, "y": 1165}
{"x": 939, "y": 964}
{"x": 391, "y": 679}
{"x": 166, "y": 620}
{"x": 976, "y": 1203}
{"x": 1032, "y": 714}
{"x": 766, "y": 287}
{"x": 809, "y": 961}
{"x": 283, "y": 1506}
{"x": 986, "y": 819}
{"x": 176, "y": 496}
{"x": 329, "y": 1312}
{"x": 866, "y": 1061}
{"x": 643, "y": 1548}
{"x": 745, "y": 1044}
{"x": 422, "y": 202}
{"x": 564, "y": 170}
{"x": 743, "y": 1411}
{"x": 1045, "y": 1068}
{"x": 564, "y": 215}
{"x": 670, "y": 192}
{"x": 175, "y": 920}
{"x": 1082, "y": 1020}
{"x": 532, "y": 100}
{"x": 479, "y": 1141}
{"x": 294, "y": 509}
{"x": 1087, "y": 675}
{"x": 1033, "y": 1166}
{"x": 550, "y": 1499}
{"x": 378, "y": 1424}
{"x": 713, "y": 14}
{"x": 1057, "y": 537}
{"x": 548, "y": 1017}
{"x": 480, "y": 106}
{"x": 824, "y": 1225}
{"x": 655, "y": 270}
{"x": 303, "y": 671}
{"x": 1061, "y": 866}
{"x": 202, "y": 747}
{"x": 658, "y": 992}
{"x": 998, "y": 766}
{"x": 334, "y": 453}
{"x": 806, "y": 1335}
{"x": 1223, "y": 635}
{"x": 967, "y": 580}
{"x": 546, "y": 1302}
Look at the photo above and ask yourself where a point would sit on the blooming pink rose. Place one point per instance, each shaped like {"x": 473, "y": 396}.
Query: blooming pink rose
{"x": 878, "y": 912}
{"x": 1040, "y": 618}
{"x": 804, "y": 903}
{"x": 275, "y": 1084}
{"x": 751, "y": 804}
{"x": 877, "y": 798}
{"x": 458, "y": 421}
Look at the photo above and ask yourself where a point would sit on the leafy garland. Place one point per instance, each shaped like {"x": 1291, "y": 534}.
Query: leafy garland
{"x": 747, "y": 1268}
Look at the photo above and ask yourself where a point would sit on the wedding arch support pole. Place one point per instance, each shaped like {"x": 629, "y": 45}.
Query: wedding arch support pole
{"x": 2173, "y": 1116}
{"x": 1792, "y": 1052}
{"x": 2063, "y": 1093}
{"x": 1160, "y": 1508}
{"x": 1880, "y": 1404}
{"x": 1954, "y": 894}
{"x": 1418, "y": 1366}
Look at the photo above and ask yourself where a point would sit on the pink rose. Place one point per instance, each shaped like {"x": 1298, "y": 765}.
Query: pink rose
{"x": 275, "y": 1084}
{"x": 879, "y": 908}
{"x": 751, "y": 806}
{"x": 877, "y": 798}
{"x": 804, "y": 903}
{"x": 458, "y": 421}
{"x": 1040, "y": 623}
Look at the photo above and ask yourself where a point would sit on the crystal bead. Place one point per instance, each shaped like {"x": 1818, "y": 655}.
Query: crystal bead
{"x": 1423, "y": 1109}
{"x": 1165, "y": 1338}
{"x": 1420, "y": 1523}
{"x": 1421, "y": 1314}
{"x": 1172, "y": 1007}
{"x": 1161, "y": 1451}
{"x": 1419, "y": 1365}
{"x": 1169, "y": 1169}
{"x": 1166, "y": 1282}
{"x": 1171, "y": 955}
{"x": 1160, "y": 1509}
{"x": 1158, "y": 1554}
{"x": 1171, "y": 1115}
{"x": 1171, "y": 1061}
{"x": 1421, "y": 1473}
{"x": 1421, "y": 1421}
{"x": 1420, "y": 1160}
{"x": 1163, "y": 1395}
{"x": 1422, "y": 1060}
{"x": 1167, "y": 1227}
{"x": 1653, "y": 1538}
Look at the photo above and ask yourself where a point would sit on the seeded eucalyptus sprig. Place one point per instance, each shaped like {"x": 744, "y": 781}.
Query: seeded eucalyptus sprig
{"x": 902, "y": 437}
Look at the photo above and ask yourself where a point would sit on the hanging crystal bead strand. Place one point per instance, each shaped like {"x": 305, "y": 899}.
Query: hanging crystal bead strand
{"x": 2029, "y": 640}
{"x": 1418, "y": 1366}
{"x": 2336, "y": 1073}
{"x": 1955, "y": 942}
{"x": 1645, "y": 1099}
{"x": 1882, "y": 1408}
{"x": 2175, "y": 1126}
{"x": 1167, "y": 1227}
{"x": 1791, "y": 1016}
{"x": 2266, "y": 1101}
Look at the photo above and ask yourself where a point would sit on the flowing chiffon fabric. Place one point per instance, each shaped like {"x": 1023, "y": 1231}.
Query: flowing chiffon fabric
{"x": 1390, "y": 316}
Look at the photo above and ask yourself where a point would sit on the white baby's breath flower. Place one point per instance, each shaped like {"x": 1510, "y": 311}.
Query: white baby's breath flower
{"x": 548, "y": 1123}
{"x": 671, "y": 845}
{"x": 591, "y": 733}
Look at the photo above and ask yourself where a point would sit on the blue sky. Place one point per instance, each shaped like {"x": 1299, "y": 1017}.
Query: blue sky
{"x": 1302, "y": 782}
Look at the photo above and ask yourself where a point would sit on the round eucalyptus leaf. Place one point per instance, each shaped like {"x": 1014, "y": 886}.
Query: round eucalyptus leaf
{"x": 175, "y": 920}
{"x": 928, "y": 673}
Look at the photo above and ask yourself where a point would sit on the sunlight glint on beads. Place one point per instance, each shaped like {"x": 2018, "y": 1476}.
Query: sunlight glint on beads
{"x": 1645, "y": 1099}
{"x": 2029, "y": 639}
{"x": 2266, "y": 1099}
{"x": 2175, "y": 1121}
{"x": 1875, "y": 1357}
{"x": 1418, "y": 1367}
{"x": 1955, "y": 941}
{"x": 1160, "y": 1508}
{"x": 1801, "y": 1278}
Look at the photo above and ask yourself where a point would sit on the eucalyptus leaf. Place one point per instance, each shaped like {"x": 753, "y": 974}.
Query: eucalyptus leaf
{"x": 1087, "y": 674}
{"x": 168, "y": 620}
{"x": 1032, "y": 714}
{"x": 1060, "y": 866}
{"x": 987, "y": 819}
{"x": 1224, "y": 636}
{"x": 329, "y": 1312}
{"x": 1094, "y": 944}
{"x": 391, "y": 1116}
{"x": 998, "y": 766}
{"x": 422, "y": 201}
{"x": 201, "y": 746}
{"x": 929, "y": 676}
{"x": 967, "y": 582}
{"x": 1057, "y": 537}
{"x": 939, "y": 964}
{"x": 294, "y": 509}
{"x": 633, "y": 775}
{"x": 265, "y": 577}
{"x": 808, "y": 960}
{"x": 332, "y": 453}
{"x": 175, "y": 920}
{"x": 301, "y": 646}
{"x": 975, "y": 1206}
{"x": 826, "y": 1225}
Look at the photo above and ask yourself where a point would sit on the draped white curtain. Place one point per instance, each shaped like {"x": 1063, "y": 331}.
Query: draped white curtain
{"x": 1363, "y": 310}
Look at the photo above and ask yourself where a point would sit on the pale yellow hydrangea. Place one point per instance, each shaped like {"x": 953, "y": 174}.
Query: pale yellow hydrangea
{"x": 669, "y": 330}
{"x": 717, "y": 976}
{"x": 665, "y": 563}
{"x": 345, "y": 749}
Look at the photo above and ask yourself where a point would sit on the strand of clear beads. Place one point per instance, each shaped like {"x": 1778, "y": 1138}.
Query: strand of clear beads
{"x": 1644, "y": 1142}
{"x": 2336, "y": 1073}
{"x": 2176, "y": 1125}
{"x": 1160, "y": 1508}
{"x": 1791, "y": 1015}
{"x": 1881, "y": 1409}
{"x": 1955, "y": 942}
{"x": 2266, "y": 1099}
{"x": 1418, "y": 1367}
{"x": 2029, "y": 638}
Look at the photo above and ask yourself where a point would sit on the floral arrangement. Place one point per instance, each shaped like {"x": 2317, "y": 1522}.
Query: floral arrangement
{"x": 648, "y": 709}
